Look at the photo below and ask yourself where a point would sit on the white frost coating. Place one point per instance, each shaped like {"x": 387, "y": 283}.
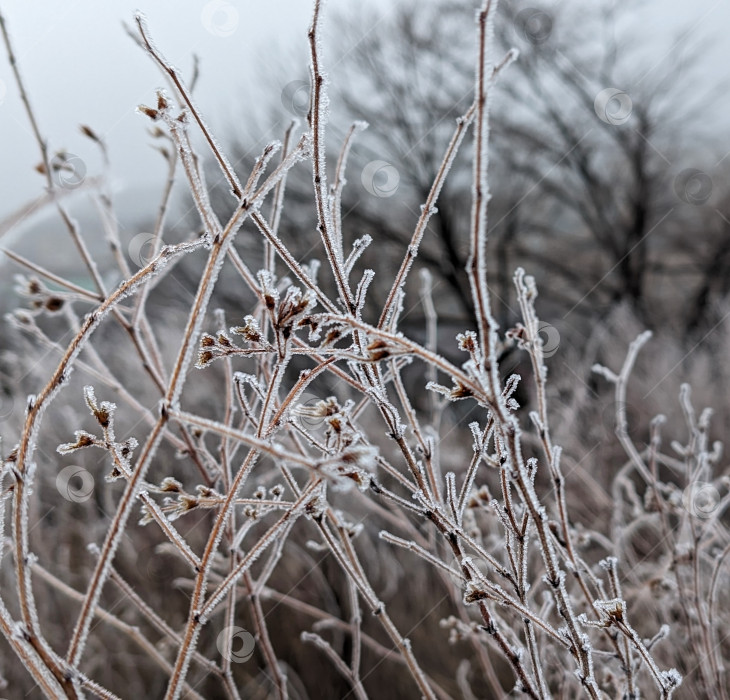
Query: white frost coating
{"x": 358, "y": 248}
{"x": 92, "y": 321}
{"x": 195, "y": 323}
{"x": 362, "y": 288}
{"x": 608, "y": 563}
{"x": 476, "y": 434}
{"x": 671, "y": 678}
{"x": 20, "y": 635}
{"x": 157, "y": 55}
{"x": 312, "y": 269}
{"x": 253, "y": 554}
{"x": 268, "y": 285}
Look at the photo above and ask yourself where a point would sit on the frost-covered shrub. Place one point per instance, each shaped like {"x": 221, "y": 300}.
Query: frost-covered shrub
{"x": 251, "y": 500}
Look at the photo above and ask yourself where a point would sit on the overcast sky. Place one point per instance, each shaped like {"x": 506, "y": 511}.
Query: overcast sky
{"x": 81, "y": 67}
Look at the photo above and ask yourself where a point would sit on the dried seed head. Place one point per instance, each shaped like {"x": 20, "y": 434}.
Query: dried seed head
{"x": 54, "y": 304}
{"x": 113, "y": 475}
{"x": 170, "y": 485}
{"x": 153, "y": 114}
{"x": 250, "y": 330}
{"x": 83, "y": 439}
{"x": 204, "y": 491}
{"x": 613, "y": 609}
{"x": 518, "y": 333}
{"x": 205, "y": 357}
{"x": 294, "y": 306}
{"x": 333, "y": 335}
{"x": 378, "y": 350}
{"x": 89, "y": 133}
{"x": 103, "y": 412}
{"x": 467, "y": 342}
{"x": 474, "y": 594}
{"x": 315, "y": 508}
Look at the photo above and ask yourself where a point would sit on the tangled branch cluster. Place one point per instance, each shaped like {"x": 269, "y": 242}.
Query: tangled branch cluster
{"x": 531, "y": 605}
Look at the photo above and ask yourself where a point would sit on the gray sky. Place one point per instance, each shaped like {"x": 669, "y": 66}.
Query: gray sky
{"x": 80, "y": 67}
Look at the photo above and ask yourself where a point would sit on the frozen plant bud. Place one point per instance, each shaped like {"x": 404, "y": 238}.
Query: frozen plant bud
{"x": 153, "y": 114}
{"x": 205, "y": 357}
{"x": 103, "y": 412}
{"x": 83, "y": 439}
{"x": 250, "y": 330}
{"x": 162, "y": 104}
{"x": 89, "y": 133}
{"x": 467, "y": 342}
{"x": 315, "y": 508}
{"x": 170, "y": 485}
